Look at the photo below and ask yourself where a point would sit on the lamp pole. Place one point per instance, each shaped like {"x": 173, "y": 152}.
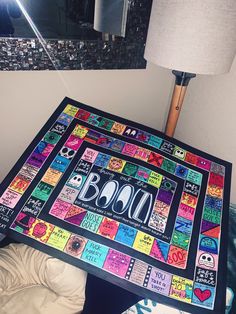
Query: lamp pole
{"x": 181, "y": 82}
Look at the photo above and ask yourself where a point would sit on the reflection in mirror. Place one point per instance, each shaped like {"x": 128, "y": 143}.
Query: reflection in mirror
{"x": 60, "y": 35}
{"x": 55, "y": 19}
{"x": 111, "y": 16}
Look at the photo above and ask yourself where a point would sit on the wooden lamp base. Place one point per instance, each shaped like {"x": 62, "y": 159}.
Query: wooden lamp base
{"x": 181, "y": 83}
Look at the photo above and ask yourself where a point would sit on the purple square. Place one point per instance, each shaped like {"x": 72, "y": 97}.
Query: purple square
{"x": 159, "y": 281}
{"x": 36, "y": 160}
{"x": 165, "y": 196}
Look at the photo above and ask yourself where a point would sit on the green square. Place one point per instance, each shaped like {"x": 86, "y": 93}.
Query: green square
{"x": 42, "y": 191}
{"x": 130, "y": 169}
{"x": 180, "y": 239}
{"x": 51, "y": 138}
{"x": 93, "y": 119}
{"x": 179, "y": 153}
{"x": 155, "y": 141}
{"x": 212, "y": 215}
{"x": 155, "y": 179}
{"x": 91, "y": 222}
{"x": 106, "y": 124}
{"x": 194, "y": 177}
{"x": 58, "y": 238}
{"x": 168, "y": 165}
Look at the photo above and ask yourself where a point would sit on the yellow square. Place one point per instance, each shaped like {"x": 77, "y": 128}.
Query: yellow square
{"x": 181, "y": 289}
{"x": 215, "y": 191}
{"x": 189, "y": 200}
{"x": 52, "y": 176}
{"x": 118, "y": 128}
{"x": 80, "y": 131}
{"x": 143, "y": 242}
{"x": 40, "y": 230}
{"x": 155, "y": 179}
{"x": 58, "y": 238}
{"x": 71, "y": 110}
{"x": 116, "y": 164}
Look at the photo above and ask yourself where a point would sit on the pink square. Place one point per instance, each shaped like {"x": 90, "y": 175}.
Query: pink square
{"x": 60, "y": 208}
{"x": 47, "y": 150}
{"x": 186, "y": 211}
{"x": 117, "y": 263}
{"x": 203, "y": 163}
{"x": 10, "y": 198}
{"x": 89, "y": 155}
{"x": 74, "y": 142}
{"x": 142, "y": 153}
{"x": 156, "y": 251}
{"x": 129, "y": 149}
{"x": 207, "y": 260}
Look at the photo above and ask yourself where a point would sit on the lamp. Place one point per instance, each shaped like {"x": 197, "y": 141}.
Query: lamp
{"x": 111, "y": 16}
{"x": 191, "y": 37}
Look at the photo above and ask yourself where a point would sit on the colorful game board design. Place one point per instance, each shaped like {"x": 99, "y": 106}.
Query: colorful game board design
{"x": 105, "y": 194}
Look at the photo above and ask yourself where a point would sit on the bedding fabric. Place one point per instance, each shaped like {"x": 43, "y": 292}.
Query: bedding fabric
{"x": 34, "y": 282}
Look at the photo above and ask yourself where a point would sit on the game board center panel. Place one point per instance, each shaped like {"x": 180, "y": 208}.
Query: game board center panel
{"x": 110, "y": 189}
{"x": 111, "y": 192}
{"x": 110, "y": 204}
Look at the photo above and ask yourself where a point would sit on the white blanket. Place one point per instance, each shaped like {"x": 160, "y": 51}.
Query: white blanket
{"x": 32, "y": 282}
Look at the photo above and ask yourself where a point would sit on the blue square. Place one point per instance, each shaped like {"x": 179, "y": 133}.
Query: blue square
{"x": 155, "y": 141}
{"x": 181, "y": 171}
{"x": 208, "y": 244}
{"x": 214, "y": 202}
{"x": 60, "y": 163}
{"x": 203, "y": 295}
{"x": 65, "y": 119}
{"x": 117, "y": 145}
{"x": 40, "y": 147}
{"x": 102, "y": 160}
{"x": 125, "y": 235}
{"x": 94, "y": 253}
{"x": 143, "y": 174}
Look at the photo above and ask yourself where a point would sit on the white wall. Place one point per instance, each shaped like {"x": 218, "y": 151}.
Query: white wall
{"x": 28, "y": 98}
{"x": 207, "y": 120}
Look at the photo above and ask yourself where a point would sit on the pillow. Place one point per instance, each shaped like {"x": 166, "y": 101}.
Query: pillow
{"x": 34, "y": 282}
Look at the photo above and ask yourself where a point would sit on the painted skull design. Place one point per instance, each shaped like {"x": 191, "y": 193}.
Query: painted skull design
{"x": 76, "y": 181}
{"x": 179, "y": 153}
{"x": 67, "y": 152}
{"x": 207, "y": 260}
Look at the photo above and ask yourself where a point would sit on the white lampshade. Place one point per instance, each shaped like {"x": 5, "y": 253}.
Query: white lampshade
{"x": 111, "y": 16}
{"x": 195, "y": 36}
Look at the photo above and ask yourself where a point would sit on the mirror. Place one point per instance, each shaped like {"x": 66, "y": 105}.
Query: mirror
{"x": 58, "y": 19}
{"x": 59, "y": 34}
